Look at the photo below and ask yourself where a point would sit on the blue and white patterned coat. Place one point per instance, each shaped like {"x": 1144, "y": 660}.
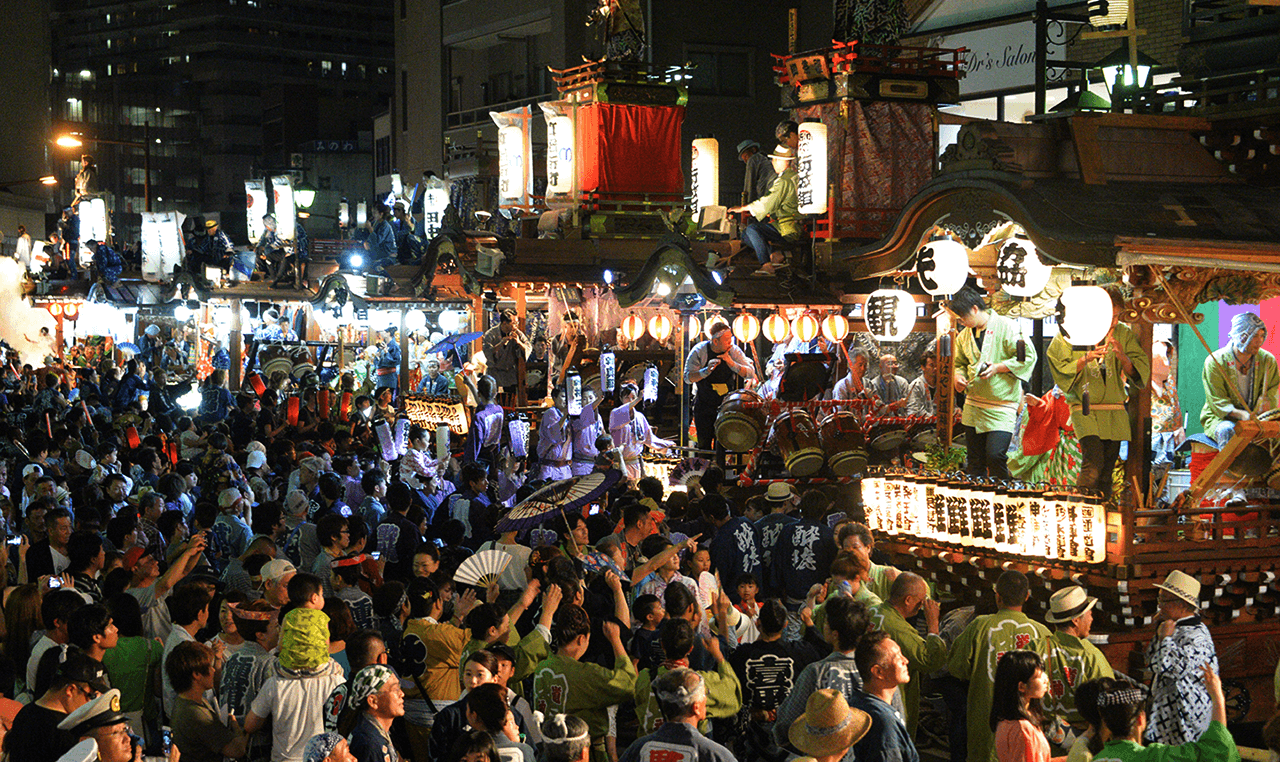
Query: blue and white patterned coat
{"x": 1180, "y": 705}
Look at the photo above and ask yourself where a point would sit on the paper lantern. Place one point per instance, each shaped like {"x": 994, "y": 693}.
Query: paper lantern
{"x": 776, "y": 328}
{"x": 94, "y": 224}
{"x": 55, "y": 309}
{"x": 942, "y": 267}
{"x": 712, "y": 322}
{"x": 560, "y": 166}
{"x": 835, "y": 328}
{"x": 805, "y": 327}
{"x": 660, "y": 327}
{"x": 746, "y": 327}
{"x": 286, "y": 214}
{"x": 450, "y": 321}
{"x": 344, "y": 214}
{"x": 71, "y": 310}
{"x": 633, "y": 327}
{"x": 362, "y": 213}
{"x": 1108, "y": 14}
{"x": 811, "y": 166}
{"x": 1084, "y": 315}
{"x": 890, "y": 314}
{"x": 704, "y": 173}
{"x": 608, "y": 372}
{"x": 255, "y": 193}
{"x": 415, "y": 320}
{"x": 1020, "y": 270}
{"x": 435, "y": 200}
{"x": 693, "y": 328}
{"x": 511, "y": 163}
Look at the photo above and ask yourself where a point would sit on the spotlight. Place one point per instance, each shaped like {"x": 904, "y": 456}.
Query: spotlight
{"x": 608, "y": 277}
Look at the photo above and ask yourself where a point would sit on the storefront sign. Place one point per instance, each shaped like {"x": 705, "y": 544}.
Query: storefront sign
{"x": 430, "y": 413}
{"x": 998, "y": 58}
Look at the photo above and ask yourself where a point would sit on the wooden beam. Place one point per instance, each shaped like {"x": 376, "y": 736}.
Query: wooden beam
{"x": 1084, "y": 137}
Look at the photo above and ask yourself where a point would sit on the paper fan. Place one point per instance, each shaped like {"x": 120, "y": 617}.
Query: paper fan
{"x": 483, "y": 569}
{"x": 688, "y": 470}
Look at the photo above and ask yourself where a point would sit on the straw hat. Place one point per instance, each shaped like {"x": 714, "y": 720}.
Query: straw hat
{"x": 783, "y": 152}
{"x": 780, "y": 492}
{"x": 1068, "y": 604}
{"x": 1182, "y": 586}
{"x": 828, "y": 725}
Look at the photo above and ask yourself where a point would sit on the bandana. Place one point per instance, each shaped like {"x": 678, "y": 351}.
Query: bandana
{"x": 368, "y": 682}
{"x": 257, "y": 616}
{"x": 320, "y": 747}
{"x": 1243, "y": 327}
{"x": 1125, "y": 697}
{"x": 355, "y": 560}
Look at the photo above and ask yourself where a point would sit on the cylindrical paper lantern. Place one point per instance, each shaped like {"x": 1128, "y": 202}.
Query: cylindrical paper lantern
{"x": 1084, "y": 315}
{"x": 1020, "y": 270}
{"x": 705, "y": 173}
{"x": 811, "y": 160}
{"x": 835, "y": 328}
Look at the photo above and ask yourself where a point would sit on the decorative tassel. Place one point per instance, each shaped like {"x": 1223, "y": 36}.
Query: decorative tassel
{"x": 1022, "y": 349}
{"x": 386, "y": 441}
{"x": 1084, "y": 402}
{"x": 944, "y": 345}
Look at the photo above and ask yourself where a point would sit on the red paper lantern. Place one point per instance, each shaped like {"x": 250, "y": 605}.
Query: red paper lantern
{"x": 293, "y": 407}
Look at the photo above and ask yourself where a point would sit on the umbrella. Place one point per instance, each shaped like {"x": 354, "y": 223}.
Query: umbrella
{"x": 452, "y": 344}
{"x": 126, "y": 346}
{"x": 558, "y": 498}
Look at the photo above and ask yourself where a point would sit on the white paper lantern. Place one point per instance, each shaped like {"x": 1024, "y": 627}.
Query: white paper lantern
{"x": 805, "y": 328}
{"x": 633, "y": 327}
{"x": 93, "y": 220}
{"x": 746, "y": 327}
{"x": 776, "y": 328}
{"x": 362, "y": 213}
{"x": 1084, "y": 315}
{"x": 693, "y": 328}
{"x": 811, "y": 166}
{"x": 450, "y": 321}
{"x": 255, "y": 201}
{"x": 835, "y": 328}
{"x": 435, "y": 200}
{"x": 704, "y": 174}
{"x": 560, "y": 158}
{"x": 890, "y": 314}
{"x": 1020, "y": 270}
{"x": 511, "y": 163}
{"x": 942, "y": 267}
{"x": 1108, "y": 14}
{"x": 712, "y": 322}
{"x": 286, "y": 213}
{"x": 415, "y": 320}
{"x": 660, "y": 327}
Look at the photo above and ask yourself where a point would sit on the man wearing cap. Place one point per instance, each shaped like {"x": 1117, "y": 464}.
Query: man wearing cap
{"x": 1073, "y": 659}
{"x": 1240, "y": 380}
{"x": 37, "y": 733}
{"x": 1181, "y": 708}
{"x": 152, "y": 589}
{"x": 102, "y": 720}
{"x": 376, "y": 695}
{"x": 275, "y": 581}
{"x": 229, "y": 528}
{"x": 682, "y": 698}
{"x": 979, "y": 646}
{"x": 829, "y": 727}
{"x": 759, "y": 174}
{"x": 782, "y": 204}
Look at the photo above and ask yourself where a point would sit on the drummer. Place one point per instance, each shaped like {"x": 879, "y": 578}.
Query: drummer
{"x": 714, "y": 366}
{"x": 631, "y": 431}
{"x": 1240, "y": 380}
{"x": 555, "y": 440}
{"x": 921, "y": 399}
{"x": 987, "y": 369}
{"x": 889, "y": 386}
{"x": 1104, "y": 371}
{"x": 853, "y": 386}
{"x": 588, "y": 427}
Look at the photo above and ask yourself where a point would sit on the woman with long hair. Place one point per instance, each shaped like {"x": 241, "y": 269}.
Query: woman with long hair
{"x": 21, "y": 622}
{"x": 1016, "y": 714}
{"x": 1122, "y": 711}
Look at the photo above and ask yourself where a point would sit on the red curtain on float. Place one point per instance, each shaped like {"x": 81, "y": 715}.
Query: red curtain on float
{"x": 627, "y": 149}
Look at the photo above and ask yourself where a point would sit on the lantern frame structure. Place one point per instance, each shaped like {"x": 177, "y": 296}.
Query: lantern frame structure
{"x": 900, "y": 323}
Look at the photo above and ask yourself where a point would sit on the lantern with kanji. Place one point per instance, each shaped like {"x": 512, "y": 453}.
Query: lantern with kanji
{"x": 776, "y": 328}
{"x": 1084, "y": 315}
{"x": 811, "y": 169}
{"x": 835, "y": 328}
{"x": 746, "y": 327}
{"x": 942, "y": 266}
{"x": 704, "y": 172}
{"x": 890, "y": 314}
{"x": 1019, "y": 268}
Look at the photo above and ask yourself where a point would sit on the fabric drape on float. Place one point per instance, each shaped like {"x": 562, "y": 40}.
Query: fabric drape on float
{"x": 628, "y": 149}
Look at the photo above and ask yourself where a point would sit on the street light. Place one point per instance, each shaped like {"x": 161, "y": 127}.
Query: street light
{"x": 46, "y": 180}
{"x": 1124, "y": 73}
{"x": 304, "y": 194}
{"x": 76, "y": 141}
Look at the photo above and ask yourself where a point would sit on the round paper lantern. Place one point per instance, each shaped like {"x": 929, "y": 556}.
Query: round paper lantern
{"x": 660, "y": 327}
{"x": 55, "y": 309}
{"x": 776, "y": 328}
{"x": 415, "y": 320}
{"x": 710, "y": 323}
{"x": 71, "y": 311}
{"x": 1020, "y": 270}
{"x": 942, "y": 267}
{"x": 450, "y": 321}
{"x": 633, "y": 327}
{"x": 835, "y": 328}
{"x": 1084, "y": 315}
{"x": 891, "y": 314}
{"x": 746, "y": 327}
{"x": 805, "y": 327}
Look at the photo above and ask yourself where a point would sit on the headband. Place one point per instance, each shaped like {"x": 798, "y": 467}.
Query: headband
{"x": 1125, "y": 697}
{"x": 355, "y": 560}
{"x": 257, "y": 616}
{"x": 558, "y": 719}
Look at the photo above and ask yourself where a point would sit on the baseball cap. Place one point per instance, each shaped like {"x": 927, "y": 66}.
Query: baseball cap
{"x": 82, "y": 668}
{"x": 228, "y": 497}
{"x": 256, "y": 460}
{"x": 133, "y": 555}
{"x": 275, "y": 569}
{"x": 32, "y": 468}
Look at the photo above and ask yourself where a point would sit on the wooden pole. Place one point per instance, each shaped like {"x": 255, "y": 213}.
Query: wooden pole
{"x": 236, "y": 350}
{"x": 404, "y": 357}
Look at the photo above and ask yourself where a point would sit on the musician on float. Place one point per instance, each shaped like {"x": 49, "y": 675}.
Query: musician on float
{"x": 631, "y": 431}
{"x": 1104, "y": 371}
{"x": 555, "y": 439}
{"x": 853, "y": 386}
{"x": 889, "y": 386}
{"x": 988, "y": 370}
{"x": 921, "y": 399}
{"x": 1240, "y": 380}
{"x": 587, "y": 427}
{"x": 714, "y": 367}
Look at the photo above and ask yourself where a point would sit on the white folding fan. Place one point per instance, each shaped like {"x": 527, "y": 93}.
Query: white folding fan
{"x": 482, "y": 569}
